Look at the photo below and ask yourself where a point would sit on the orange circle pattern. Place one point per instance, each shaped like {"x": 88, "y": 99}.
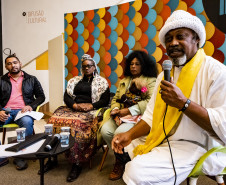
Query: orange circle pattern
{"x": 109, "y": 34}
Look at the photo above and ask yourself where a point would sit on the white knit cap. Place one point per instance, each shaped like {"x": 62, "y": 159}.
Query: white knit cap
{"x": 183, "y": 19}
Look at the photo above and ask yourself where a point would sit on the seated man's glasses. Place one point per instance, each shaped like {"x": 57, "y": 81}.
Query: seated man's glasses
{"x": 86, "y": 66}
{"x": 11, "y": 63}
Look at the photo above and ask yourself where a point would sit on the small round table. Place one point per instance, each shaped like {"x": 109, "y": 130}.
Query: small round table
{"x": 41, "y": 154}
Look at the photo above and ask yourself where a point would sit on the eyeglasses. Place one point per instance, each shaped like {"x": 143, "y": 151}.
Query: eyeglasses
{"x": 87, "y": 66}
{"x": 11, "y": 63}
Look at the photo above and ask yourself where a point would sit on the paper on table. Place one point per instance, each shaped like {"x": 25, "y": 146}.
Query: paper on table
{"x": 33, "y": 114}
{"x": 31, "y": 149}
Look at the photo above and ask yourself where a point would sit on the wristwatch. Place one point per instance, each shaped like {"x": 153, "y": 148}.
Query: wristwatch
{"x": 185, "y": 105}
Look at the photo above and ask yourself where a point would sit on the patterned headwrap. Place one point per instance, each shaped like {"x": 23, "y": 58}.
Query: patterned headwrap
{"x": 88, "y": 57}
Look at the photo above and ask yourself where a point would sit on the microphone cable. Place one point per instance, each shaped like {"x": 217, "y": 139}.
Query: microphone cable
{"x": 169, "y": 146}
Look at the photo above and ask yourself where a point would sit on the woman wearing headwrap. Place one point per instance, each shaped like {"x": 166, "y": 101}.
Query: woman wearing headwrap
{"x": 84, "y": 94}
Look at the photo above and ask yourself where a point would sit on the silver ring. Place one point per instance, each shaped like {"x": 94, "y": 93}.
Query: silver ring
{"x": 160, "y": 91}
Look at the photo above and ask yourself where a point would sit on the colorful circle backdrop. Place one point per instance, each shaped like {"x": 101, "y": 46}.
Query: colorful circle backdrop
{"x": 110, "y": 34}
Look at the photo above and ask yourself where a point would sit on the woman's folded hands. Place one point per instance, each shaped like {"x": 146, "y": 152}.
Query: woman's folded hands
{"x": 83, "y": 107}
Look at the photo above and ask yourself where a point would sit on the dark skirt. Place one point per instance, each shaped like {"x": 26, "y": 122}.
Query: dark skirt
{"x": 83, "y": 129}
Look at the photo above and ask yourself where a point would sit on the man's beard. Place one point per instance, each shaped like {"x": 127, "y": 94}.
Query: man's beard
{"x": 15, "y": 72}
{"x": 180, "y": 61}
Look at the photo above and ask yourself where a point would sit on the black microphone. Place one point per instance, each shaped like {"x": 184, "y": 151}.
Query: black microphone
{"x": 52, "y": 142}
{"x": 7, "y": 110}
{"x": 167, "y": 66}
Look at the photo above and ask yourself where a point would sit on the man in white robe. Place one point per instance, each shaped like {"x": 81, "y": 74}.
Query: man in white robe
{"x": 202, "y": 124}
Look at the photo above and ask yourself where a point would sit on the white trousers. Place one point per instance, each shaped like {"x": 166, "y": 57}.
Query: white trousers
{"x": 156, "y": 167}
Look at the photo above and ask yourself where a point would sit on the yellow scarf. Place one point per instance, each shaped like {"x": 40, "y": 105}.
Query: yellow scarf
{"x": 185, "y": 83}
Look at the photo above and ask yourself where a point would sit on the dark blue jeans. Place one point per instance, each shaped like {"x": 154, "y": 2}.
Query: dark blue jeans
{"x": 26, "y": 121}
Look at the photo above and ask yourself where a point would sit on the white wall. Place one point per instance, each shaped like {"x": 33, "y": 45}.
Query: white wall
{"x": 83, "y": 5}
{"x": 56, "y": 72}
{"x": 29, "y": 38}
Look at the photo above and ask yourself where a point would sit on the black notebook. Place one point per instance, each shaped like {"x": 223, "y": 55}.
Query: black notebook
{"x": 29, "y": 140}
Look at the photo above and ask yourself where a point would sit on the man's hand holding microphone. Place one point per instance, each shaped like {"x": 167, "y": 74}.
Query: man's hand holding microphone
{"x": 170, "y": 93}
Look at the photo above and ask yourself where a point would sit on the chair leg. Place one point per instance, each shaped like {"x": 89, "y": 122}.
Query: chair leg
{"x": 220, "y": 180}
{"x": 103, "y": 158}
{"x": 187, "y": 180}
{"x": 103, "y": 148}
{"x": 90, "y": 163}
{"x": 33, "y": 131}
{"x": 3, "y": 135}
{"x": 192, "y": 180}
